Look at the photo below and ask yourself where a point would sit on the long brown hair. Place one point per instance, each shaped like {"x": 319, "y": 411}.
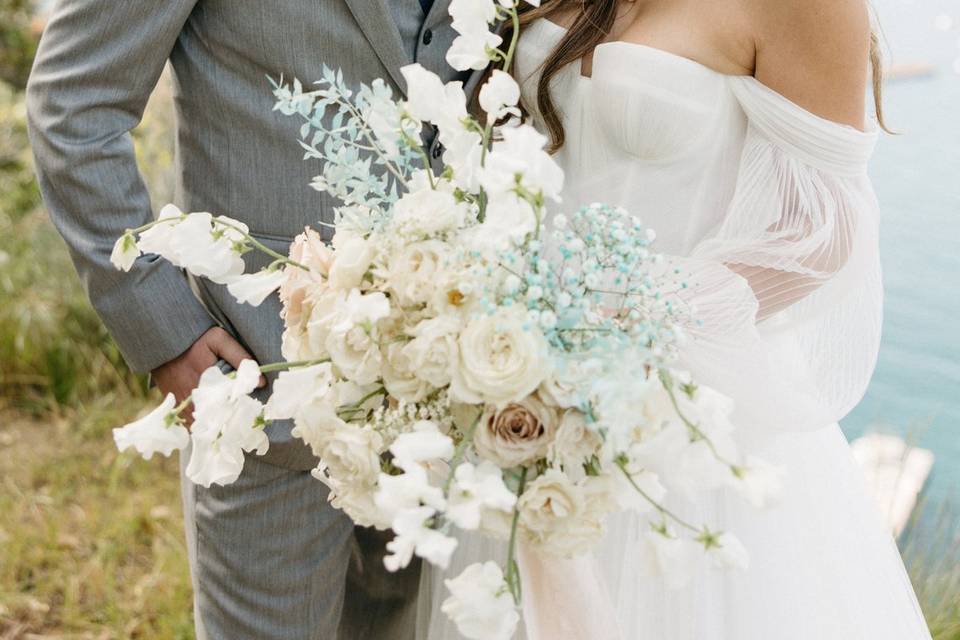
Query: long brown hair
{"x": 592, "y": 26}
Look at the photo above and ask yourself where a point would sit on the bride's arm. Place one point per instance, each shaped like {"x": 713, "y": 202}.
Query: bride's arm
{"x": 814, "y": 54}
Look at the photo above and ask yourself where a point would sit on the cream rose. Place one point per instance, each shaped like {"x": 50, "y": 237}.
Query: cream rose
{"x": 412, "y": 271}
{"x": 400, "y": 375}
{"x": 433, "y": 351}
{"x": 352, "y": 454}
{"x": 309, "y": 250}
{"x": 429, "y": 211}
{"x": 356, "y": 352}
{"x": 519, "y": 433}
{"x": 502, "y": 359}
{"x": 562, "y": 517}
{"x": 575, "y": 442}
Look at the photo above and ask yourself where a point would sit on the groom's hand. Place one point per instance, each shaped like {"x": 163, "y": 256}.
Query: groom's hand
{"x": 181, "y": 375}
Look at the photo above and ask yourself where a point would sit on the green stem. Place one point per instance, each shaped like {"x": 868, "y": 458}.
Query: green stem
{"x": 260, "y": 246}
{"x": 513, "y": 575}
{"x": 668, "y": 385}
{"x": 460, "y": 451}
{"x": 297, "y": 364}
{"x": 656, "y": 505}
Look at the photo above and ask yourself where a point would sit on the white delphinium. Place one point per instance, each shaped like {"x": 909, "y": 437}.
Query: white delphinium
{"x": 160, "y": 431}
{"x": 480, "y": 603}
{"x": 476, "y": 489}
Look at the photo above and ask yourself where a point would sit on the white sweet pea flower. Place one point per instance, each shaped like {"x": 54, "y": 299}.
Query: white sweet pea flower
{"x": 125, "y": 252}
{"x": 253, "y": 288}
{"x": 725, "y": 551}
{"x": 521, "y": 154}
{"x": 470, "y": 50}
{"x": 668, "y": 556}
{"x": 463, "y": 152}
{"x": 499, "y": 96}
{"x": 480, "y": 603}
{"x": 196, "y": 244}
{"x": 760, "y": 482}
{"x": 422, "y": 444}
{"x": 472, "y": 15}
{"x": 409, "y": 490}
{"x": 296, "y": 388}
{"x": 157, "y": 432}
{"x": 430, "y": 100}
{"x": 413, "y": 536}
{"x": 352, "y": 259}
{"x": 476, "y": 489}
{"x": 227, "y": 423}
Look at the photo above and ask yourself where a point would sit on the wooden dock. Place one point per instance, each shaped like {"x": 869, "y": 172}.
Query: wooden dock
{"x": 895, "y": 472}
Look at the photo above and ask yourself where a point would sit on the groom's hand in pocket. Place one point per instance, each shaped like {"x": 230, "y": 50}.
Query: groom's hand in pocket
{"x": 181, "y": 375}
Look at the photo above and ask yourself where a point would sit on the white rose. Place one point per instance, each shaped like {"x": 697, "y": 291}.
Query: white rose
{"x": 429, "y": 212}
{"x": 352, "y": 258}
{"x": 355, "y": 352}
{"x": 352, "y": 453}
{"x": 400, "y": 375}
{"x": 502, "y": 359}
{"x": 433, "y": 351}
{"x": 562, "y": 517}
{"x": 412, "y": 271}
{"x": 519, "y": 433}
{"x": 575, "y": 442}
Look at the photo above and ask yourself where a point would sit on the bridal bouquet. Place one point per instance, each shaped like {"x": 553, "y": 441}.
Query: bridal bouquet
{"x": 455, "y": 358}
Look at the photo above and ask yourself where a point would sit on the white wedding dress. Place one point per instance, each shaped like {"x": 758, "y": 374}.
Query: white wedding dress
{"x": 768, "y": 211}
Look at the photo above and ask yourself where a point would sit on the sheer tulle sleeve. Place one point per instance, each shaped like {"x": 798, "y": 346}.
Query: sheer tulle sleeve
{"x": 786, "y": 291}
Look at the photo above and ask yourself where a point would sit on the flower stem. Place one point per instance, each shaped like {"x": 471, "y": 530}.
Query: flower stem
{"x": 297, "y": 364}
{"x": 656, "y": 505}
{"x": 513, "y": 571}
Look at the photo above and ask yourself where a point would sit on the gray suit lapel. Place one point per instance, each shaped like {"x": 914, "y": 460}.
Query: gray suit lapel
{"x": 378, "y": 26}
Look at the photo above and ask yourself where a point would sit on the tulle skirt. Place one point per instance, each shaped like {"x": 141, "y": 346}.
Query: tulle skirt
{"x": 823, "y": 566}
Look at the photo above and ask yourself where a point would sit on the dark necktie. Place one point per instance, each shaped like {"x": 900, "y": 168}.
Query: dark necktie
{"x": 425, "y": 5}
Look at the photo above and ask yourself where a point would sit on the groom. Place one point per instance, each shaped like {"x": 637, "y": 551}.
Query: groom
{"x": 270, "y": 558}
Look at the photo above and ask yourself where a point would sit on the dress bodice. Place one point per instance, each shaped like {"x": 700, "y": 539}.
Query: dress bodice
{"x": 652, "y": 131}
{"x": 764, "y": 207}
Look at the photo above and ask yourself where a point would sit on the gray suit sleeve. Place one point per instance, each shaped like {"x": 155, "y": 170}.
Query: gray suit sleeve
{"x": 97, "y": 64}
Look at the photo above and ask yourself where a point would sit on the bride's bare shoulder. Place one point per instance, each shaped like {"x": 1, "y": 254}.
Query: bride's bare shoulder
{"x": 814, "y": 52}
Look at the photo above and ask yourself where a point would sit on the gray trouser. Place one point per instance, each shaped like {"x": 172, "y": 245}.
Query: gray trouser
{"x": 271, "y": 559}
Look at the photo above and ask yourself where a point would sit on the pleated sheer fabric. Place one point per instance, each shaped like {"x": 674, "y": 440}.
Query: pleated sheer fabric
{"x": 788, "y": 287}
{"x": 768, "y": 215}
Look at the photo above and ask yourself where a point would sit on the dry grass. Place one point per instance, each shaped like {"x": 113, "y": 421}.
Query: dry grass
{"x": 92, "y": 541}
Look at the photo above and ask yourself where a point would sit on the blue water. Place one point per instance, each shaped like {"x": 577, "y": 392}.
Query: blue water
{"x": 916, "y": 388}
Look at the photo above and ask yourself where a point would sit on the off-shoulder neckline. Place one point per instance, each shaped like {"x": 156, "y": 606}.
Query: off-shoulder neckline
{"x": 746, "y": 79}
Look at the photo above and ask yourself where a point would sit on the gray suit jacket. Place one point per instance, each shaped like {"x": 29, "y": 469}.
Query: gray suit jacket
{"x": 97, "y": 64}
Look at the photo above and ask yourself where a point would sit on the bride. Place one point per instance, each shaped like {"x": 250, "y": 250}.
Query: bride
{"x": 736, "y": 129}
